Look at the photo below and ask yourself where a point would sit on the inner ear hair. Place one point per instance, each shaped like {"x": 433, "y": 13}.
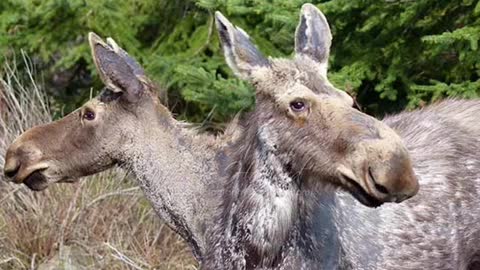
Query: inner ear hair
{"x": 107, "y": 95}
{"x": 132, "y": 63}
{"x": 313, "y": 37}
{"x": 240, "y": 53}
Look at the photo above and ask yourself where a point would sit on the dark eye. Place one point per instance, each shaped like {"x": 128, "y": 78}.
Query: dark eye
{"x": 89, "y": 115}
{"x": 297, "y": 106}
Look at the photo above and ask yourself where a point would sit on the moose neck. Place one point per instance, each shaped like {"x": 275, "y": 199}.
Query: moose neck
{"x": 261, "y": 209}
{"x": 178, "y": 172}
{"x": 271, "y": 218}
{"x": 268, "y": 199}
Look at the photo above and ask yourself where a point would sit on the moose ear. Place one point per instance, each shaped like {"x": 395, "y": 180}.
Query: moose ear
{"x": 118, "y": 71}
{"x": 240, "y": 53}
{"x": 132, "y": 63}
{"x": 313, "y": 37}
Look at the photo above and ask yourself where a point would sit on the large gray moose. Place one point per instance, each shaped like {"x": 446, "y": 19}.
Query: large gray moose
{"x": 304, "y": 137}
{"x": 275, "y": 184}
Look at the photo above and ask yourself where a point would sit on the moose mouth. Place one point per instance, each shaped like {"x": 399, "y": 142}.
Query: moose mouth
{"x": 357, "y": 191}
{"x": 36, "y": 181}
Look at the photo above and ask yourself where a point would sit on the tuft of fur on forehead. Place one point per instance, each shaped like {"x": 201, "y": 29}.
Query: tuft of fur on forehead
{"x": 300, "y": 76}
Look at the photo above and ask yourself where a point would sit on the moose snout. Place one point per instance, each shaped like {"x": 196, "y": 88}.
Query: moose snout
{"x": 22, "y": 162}
{"x": 376, "y": 174}
{"x": 393, "y": 180}
{"x": 12, "y": 165}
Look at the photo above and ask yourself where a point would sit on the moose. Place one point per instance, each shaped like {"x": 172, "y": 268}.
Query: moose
{"x": 304, "y": 181}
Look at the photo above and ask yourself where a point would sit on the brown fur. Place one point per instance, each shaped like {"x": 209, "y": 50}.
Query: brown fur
{"x": 133, "y": 130}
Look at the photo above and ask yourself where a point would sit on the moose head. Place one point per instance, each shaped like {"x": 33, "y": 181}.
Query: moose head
{"x": 312, "y": 127}
{"x": 97, "y": 135}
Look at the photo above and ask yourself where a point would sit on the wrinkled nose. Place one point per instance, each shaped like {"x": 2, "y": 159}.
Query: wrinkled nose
{"x": 394, "y": 180}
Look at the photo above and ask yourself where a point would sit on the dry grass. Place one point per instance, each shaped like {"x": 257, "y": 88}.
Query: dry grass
{"x": 102, "y": 222}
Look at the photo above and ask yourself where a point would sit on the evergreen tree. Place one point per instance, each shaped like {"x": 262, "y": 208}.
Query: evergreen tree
{"x": 391, "y": 54}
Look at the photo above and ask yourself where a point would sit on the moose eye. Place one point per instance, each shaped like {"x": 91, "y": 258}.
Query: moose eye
{"x": 297, "y": 106}
{"x": 89, "y": 115}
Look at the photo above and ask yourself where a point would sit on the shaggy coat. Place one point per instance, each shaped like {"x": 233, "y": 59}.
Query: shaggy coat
{"x": 280, "y": 211}
{"x": 327, "y": 229}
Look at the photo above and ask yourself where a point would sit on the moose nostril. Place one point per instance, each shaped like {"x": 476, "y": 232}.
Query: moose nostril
{"x": 10, "y": 173}
{"x": 379, "y": 187}
{"x": 11, "y": 167}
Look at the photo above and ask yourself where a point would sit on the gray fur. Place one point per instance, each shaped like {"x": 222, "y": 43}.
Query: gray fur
{"x": 329, "y": 229}
{"x": 276, "y": 215}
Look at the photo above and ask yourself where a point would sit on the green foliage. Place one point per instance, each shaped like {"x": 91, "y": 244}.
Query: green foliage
{"x": 391, "y": 54}
{"x": 54, "y": 33}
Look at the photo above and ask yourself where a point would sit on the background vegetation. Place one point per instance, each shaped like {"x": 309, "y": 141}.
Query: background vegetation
{"x": 390, "y": 54}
